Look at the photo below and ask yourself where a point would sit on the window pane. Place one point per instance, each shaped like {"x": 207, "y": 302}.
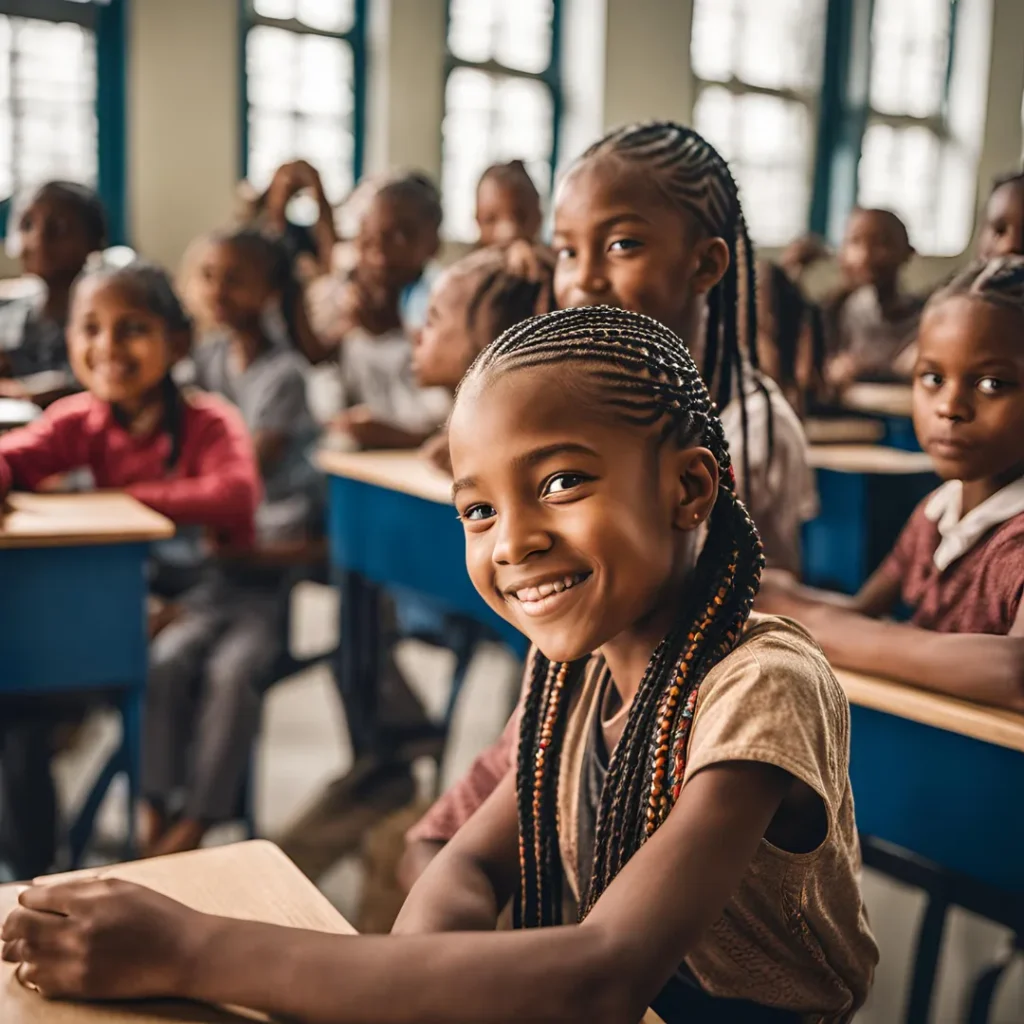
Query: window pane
{"x": 767, "y": 141}
{"x": 47, "y": 104}
{"x": 490, "y": 118}
{"x": 325, "y": 15}
{"x": 909, "y": 52}
{"x": 776, "y": 44}
{"x": 516, "y": 33}
{"x": 300, "y": 91}
{"x": 929, "y": 182}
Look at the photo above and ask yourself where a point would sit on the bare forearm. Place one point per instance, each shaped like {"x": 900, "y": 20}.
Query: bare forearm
{"x": 449, "y": 896}
{"x": 557, "y": 974}
{"x": 974, "y": 666}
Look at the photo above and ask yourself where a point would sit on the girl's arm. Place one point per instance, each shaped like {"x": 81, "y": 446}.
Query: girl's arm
{"x": 224, "y": 492}
{"x": 52, "y": 444}
{"x": 114, "y": 940}
{"x": 981, "y": 667}
{"x": 782, "y": 594}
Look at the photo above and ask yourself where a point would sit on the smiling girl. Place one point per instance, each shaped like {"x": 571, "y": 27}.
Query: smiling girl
{"x": 683, "y": 769}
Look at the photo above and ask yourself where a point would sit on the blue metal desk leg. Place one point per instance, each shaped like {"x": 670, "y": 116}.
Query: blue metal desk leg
{"x": 358, "y": 668}
{"x": 926, "y": 958}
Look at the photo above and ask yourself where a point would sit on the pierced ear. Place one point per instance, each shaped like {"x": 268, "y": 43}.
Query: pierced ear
{"x": 696, "y": 473}
{"x": 712, "y": 263}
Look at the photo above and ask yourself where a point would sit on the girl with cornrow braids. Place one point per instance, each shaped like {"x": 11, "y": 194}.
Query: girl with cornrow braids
{"x": 649, "y": 219}
{"x": 681, "y": 768}
{"x": 959, "y": 562}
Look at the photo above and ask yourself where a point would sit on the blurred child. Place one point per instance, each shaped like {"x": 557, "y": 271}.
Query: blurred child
{"x": 507, "y": 205}
{"x": 1002, "y": 232}
{"x": 188, "y": 457}
{"x": 378, "y": 307}
{"x": 309, "y": 250}
{"x": 473, "y": 302}
{"x": 56, "y": 232}
{"x": 871, "y": 322}
{"x": 959, "y": 563}
{"x": 790, "y": 338}
{"x": 209, "y": 667}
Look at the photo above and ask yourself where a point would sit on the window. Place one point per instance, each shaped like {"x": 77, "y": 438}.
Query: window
{"x": 502, "y": 98}
{"x": 758, "y": 69}
{"x": 305, "y": 79}
{"x": 911, "y": 162}
{"x": 62, "y": 98}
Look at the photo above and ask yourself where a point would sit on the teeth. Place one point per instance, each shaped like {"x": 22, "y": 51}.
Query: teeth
{"x": 543, "y": 590}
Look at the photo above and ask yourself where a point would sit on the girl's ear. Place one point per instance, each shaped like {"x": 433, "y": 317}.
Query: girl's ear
{"x": 711, "y": 257}
{"x": 695, "y": 478}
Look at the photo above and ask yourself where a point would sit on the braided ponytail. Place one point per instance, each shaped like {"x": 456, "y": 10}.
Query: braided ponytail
{"x": 645, "y": 376}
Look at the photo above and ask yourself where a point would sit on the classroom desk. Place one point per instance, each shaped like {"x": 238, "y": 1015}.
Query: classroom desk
{"x": 937, "y": 782}
{"x": 867, "y": 493}
{"x": 73, "y": 610}
{"x": 892, "y": 404}
{"x": 252, "y": 881}
{"x": 391, "y": 522}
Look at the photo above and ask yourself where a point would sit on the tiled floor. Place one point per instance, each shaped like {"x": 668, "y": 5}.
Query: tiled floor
{"x": 304, "y": 744}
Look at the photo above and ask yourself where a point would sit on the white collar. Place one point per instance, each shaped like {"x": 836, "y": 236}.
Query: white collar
{"x": 960, "y": 534}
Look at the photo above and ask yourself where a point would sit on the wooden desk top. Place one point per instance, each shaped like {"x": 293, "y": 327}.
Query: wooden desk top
{"x": 868, "y": 458}
{"x": 991, "y": 725}
{"x": 843, "y": 430}
{"x": 405, "y": 471}
{"x": 252, "y": 881}
{"x": 60, "y": 520}
{"x": 882, "y": 399}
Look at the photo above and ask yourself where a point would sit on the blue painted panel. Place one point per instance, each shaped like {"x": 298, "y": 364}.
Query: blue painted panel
{"x": 941, "y": 795}
{"x": 72, "y": 618}
{"x": 400, "y": 540}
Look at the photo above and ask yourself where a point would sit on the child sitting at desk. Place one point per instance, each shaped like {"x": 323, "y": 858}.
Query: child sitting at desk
{"x": 1002, "y": 231}
{"x": 871, "y": 322}
{"x": 209, "y": 666}
{"x": 679, "y": 832}
{"x": 507, "y": 205}
{"x": 56, "y": 232}
{"x": 959, "y": 563}
{"x": 189, "y": 458}
{"x": 377, "y": 309}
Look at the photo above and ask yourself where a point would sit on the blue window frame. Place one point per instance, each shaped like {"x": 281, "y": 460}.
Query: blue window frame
{"x": 503, "y": 98}
{"x": 888, "y": 131}
{"x": 757, "y": 68}
{"x": 303, "y": 66}
{"x": 62, "y": 99}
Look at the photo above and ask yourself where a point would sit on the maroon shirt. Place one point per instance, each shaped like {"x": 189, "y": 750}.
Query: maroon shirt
{"x": 979, "y": 593}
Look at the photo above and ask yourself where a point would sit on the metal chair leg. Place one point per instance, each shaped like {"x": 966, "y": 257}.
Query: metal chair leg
{"x": 984, "y": 992}
{"x": 926, "y": 959}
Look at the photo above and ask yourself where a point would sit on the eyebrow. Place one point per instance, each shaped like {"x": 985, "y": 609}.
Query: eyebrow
{"x": 626, "y": 217}
{"x": 531, "y": 458}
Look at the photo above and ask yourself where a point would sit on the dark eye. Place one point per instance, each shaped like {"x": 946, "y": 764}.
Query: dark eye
{"x": 133, "y": 328}
{"x": 991, "y": 385}
{"x": 562, "y": 482}
{"x": 478, "y": 513}
{"x": 566, "y": 252}
{"x": 930, "y": 379}
{"x": 625, "y": 245}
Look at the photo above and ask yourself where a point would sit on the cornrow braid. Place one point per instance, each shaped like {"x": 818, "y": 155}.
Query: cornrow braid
{"x": 644, "y": 374}
{"x": 697, "y": 179}
{"x": 506, "y": 296}
{"x": 999, "y": 281}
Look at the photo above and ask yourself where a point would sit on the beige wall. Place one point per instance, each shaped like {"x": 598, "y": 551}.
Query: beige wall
{"x": 183, "y": 109}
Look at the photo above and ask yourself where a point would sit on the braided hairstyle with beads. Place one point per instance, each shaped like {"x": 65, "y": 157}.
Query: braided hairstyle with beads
{"x": 642, "y": 372}
{"x": 696, "y": 178}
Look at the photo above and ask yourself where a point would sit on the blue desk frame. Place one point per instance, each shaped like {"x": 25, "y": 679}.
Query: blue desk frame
{"x": 73, "y": 621}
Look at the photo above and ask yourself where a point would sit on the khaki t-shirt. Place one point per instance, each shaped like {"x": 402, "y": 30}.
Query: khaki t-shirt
{"x": 794, "y": 935}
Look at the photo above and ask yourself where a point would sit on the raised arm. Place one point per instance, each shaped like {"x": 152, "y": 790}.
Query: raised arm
{"x": 114, "y": 940}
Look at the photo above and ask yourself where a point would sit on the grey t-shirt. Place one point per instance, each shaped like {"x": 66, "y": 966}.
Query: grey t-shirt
{"x": 271, "y": 394}
{"x": 30, "y": 342}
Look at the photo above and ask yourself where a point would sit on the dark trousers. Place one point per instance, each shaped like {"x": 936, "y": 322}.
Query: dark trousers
{"x": 28, "y": 797}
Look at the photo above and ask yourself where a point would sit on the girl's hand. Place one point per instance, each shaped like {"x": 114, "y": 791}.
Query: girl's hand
{"x": 103, "y": 939}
